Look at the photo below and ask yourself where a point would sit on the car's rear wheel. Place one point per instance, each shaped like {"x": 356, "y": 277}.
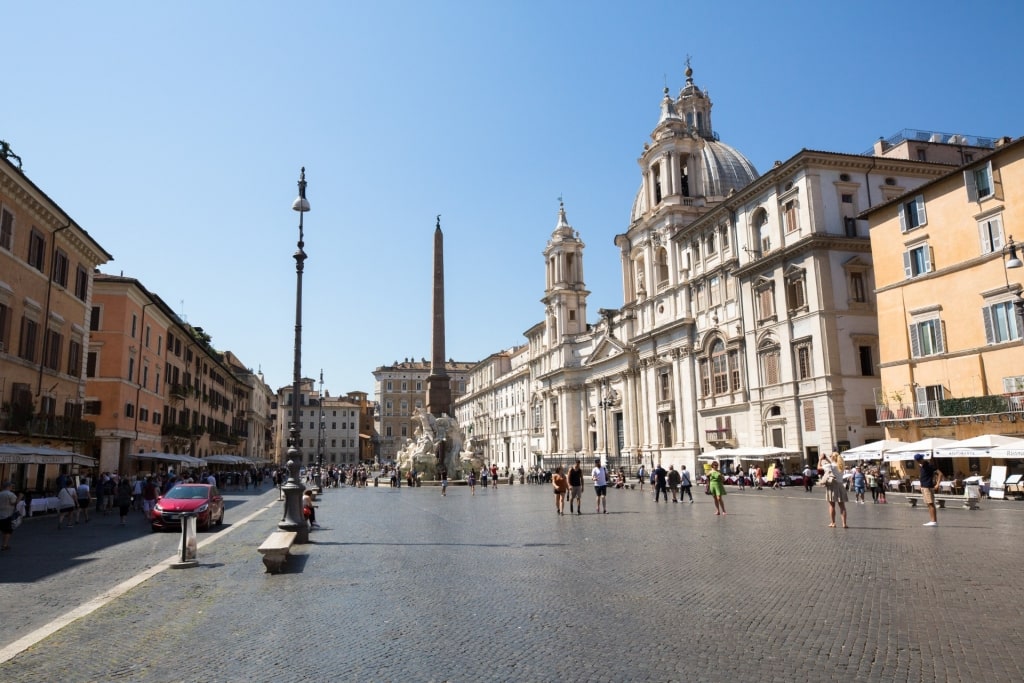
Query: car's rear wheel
{"x": 220, "y": 520}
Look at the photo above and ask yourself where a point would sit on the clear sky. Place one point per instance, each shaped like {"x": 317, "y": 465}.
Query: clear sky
{"x": 174, "y": 132}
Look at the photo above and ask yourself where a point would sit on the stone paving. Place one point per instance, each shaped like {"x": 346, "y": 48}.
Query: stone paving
{"x": 404, "y": 585}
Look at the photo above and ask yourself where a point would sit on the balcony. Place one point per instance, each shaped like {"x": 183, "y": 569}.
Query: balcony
{"x": 52, "y": 425}
{"x": 721, "y": 438}
{"x": 1004, "y": 407}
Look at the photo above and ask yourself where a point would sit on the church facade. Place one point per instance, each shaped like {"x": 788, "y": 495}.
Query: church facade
{"x": 748, "y": 316}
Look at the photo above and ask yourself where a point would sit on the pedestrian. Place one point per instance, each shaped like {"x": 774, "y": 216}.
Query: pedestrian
{"x": 673, "y": 482}
{"x": 930, "y": 479}
{"x": 8, "y": 507}
{"x": 600, "y": 476}
{"x": 716, "y": 487}
{"x": 576, "y": 487}
{"x": 758, "y": 475}
{"x": 83, "y": 499}
{"x": 831, "y": 478}
{"x": 471, "y": 482}
{"x": 148, "y": 497}
{"x": 560, "y": 485}
{"x": 859, "y": 485}
{"x": 658, "y": 478}
{"x": 686, "y": 484}
{"x": 494, "y": 475}
{"x": 808, "y": 478}
{"x": 123, "y": 499}
{"x": 640, "y": 476}
{"x": 444, "y": 482}
{"x": 67, "y": 502}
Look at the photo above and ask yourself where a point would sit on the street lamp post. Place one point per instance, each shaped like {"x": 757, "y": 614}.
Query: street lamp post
{"x": 606, "y": 402}
{"x": 320, "y": 438}
{"x": 293, "y": 519}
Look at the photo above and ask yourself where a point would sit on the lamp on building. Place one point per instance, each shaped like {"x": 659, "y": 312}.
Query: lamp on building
{"x": 1011, "y": 249}
{"x": 293, "y": 519}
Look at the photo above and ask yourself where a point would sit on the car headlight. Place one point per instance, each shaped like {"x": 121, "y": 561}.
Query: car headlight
{"x": 203, "y": 508}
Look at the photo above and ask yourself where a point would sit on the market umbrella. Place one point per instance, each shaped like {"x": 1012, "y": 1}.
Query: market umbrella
{"x": 871, "y": 451}
{"x": 909, "y": 450}
{"x": 979, "y": 446}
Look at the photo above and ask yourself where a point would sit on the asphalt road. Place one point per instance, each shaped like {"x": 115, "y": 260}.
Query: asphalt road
{"x": 404, "y": 585}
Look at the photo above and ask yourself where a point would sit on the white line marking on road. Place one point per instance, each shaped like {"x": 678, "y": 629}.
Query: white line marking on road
{"x": 60, "y": 622}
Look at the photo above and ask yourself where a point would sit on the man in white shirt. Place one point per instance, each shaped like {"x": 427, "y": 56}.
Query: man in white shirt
{"x": 600, "y": 476}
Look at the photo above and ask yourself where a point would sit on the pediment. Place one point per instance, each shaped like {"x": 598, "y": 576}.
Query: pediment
{"x": 607, "y": 347}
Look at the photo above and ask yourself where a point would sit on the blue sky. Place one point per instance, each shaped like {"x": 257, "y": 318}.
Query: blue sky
{"x": 174, "y": 134}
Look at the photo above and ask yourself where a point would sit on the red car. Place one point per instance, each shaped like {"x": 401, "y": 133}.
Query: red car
{"x": 202, "y": 499}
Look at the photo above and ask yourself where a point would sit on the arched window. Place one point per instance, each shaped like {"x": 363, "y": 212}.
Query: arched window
{"x": 719, "y": 368}
{"x": 661, "y": 266}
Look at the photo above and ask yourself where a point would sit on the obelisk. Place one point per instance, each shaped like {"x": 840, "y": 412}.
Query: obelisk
{"x": 439, "y": 392}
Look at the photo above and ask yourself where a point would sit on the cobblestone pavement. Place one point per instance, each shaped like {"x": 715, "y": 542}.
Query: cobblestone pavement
{"x": 404, "y": 585}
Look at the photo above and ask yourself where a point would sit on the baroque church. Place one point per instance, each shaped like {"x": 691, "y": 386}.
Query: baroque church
{"x": 747, "y": 319}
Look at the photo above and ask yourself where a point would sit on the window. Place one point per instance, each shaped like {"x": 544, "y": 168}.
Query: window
{"x": 990, "y": 232}
{"x": 764, "y": 296}
{"x": 554, "y": 410}
{"x": 60, "y": 268}
{"x": 54, "y": 345}
{"x": 719, "y": 368}
{"x": 143, "y": 414}
{"x": 661, "y": 266}
{"x": 28, "y": 339}
{"x": 770, "y": 364}
{"x": 804, "y": 368}
{"x": 131, "y": 369}
{"x": 81, "y": 283}
{"x": 796, "y": 295}
{"x": 917, "y": 261}
{"x": 1001, "y": 323}
{"x": 789, "y": 215}
{"x": 715, "y": 291}
{"x": 145, "y": 376}
{"x": 979, "y": 182}
{"x": 665, "y": 419}
{"x": 135, "y": 324}
{"x": 90, "y": 364}
{"x": 734, "y": 370}
{"x": 129, "y": 410}
{"x": 5, "y": 328}
{"x": 389, "y": 386}
{"x": 36, "y": 249}
{"x": 6, "y": 229}
{"x": 926, "y": 338}
{"x": 709, "y": 243}
{"x": 912, "y": 214}
{"x": 858, "y": 290}
{"x": 665, "y": 384}
{"x": 867, "y": 361}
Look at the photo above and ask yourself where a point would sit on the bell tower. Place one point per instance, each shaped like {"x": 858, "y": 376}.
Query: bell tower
{"x": 565, "y": 294}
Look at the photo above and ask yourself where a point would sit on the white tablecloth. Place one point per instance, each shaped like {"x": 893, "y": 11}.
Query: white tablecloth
{"x": 43, "y": 504}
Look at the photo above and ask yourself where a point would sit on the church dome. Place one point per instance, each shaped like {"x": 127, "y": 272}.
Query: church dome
{"x": 711, "y": 168}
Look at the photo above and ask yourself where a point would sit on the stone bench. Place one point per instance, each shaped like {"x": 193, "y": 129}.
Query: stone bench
{"x": 940, "y": 501}
{"x": 275, "y": 550}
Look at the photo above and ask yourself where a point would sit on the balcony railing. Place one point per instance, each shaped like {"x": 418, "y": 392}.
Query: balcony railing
{"x": 971, "y": 406}
{"x": 720, "y": 437}
{"x": 56, "y": 426}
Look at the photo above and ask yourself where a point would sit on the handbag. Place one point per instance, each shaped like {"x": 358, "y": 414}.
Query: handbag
{"x": 828, "y": 477}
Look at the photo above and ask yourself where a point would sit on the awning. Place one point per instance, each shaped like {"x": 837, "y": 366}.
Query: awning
{"x": 872, "y": 451}
{"x": 169, "y": 457}
{"x": 908, "y": 451}
{"x": 227, "y": 459}
{"x": 25, "y": 454}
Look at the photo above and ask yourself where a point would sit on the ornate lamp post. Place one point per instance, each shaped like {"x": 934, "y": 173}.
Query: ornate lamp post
{"x": 293, "y": 490}
{"x": 320, "y": 439}
{"x": 606, "y": 402}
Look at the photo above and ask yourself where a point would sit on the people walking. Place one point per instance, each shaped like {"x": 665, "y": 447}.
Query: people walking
{"x": 576, "y": 487}
{"x": 560, "y": 486}
{"x": 859, "y": 485}
{"x": 808, "y": 478}
{"x": 660, "y": 485}
{"x": 640, "y": 473}
{"x": 444, "y": 482}
{"x": 67, "y": 503}
{"x": 8, "y": 506}
{"x": 84, "y": 500}
{"x": 471, "y": 482}
{"x": 123, "y": 499}
{"x": 831, "y": 478}
{"x": 930, "y": 478}
{"x": 686, "y": 484}
{"x": 673, "y": 482}
{"x": 600, "y": 476}
{"x": 716, "y": 487}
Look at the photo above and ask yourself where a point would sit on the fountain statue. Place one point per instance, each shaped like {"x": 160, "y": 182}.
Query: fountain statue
{"x": 436, "y": 443}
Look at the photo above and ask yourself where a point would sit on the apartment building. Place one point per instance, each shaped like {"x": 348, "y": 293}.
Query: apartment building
{"x": 949, "y": 294}
{"x": 46, "y": 279}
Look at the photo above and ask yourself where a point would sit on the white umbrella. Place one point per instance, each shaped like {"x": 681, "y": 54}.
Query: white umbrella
{"x": 908, "y": 451}
{"x": 981, "y": 445}
{"x": 871, "y": 451}
{"x": 1015, "y": 450}
{"x": 719, "y": 453}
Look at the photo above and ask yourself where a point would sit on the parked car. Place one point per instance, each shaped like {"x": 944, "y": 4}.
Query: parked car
{"x": 202, "y": 499}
